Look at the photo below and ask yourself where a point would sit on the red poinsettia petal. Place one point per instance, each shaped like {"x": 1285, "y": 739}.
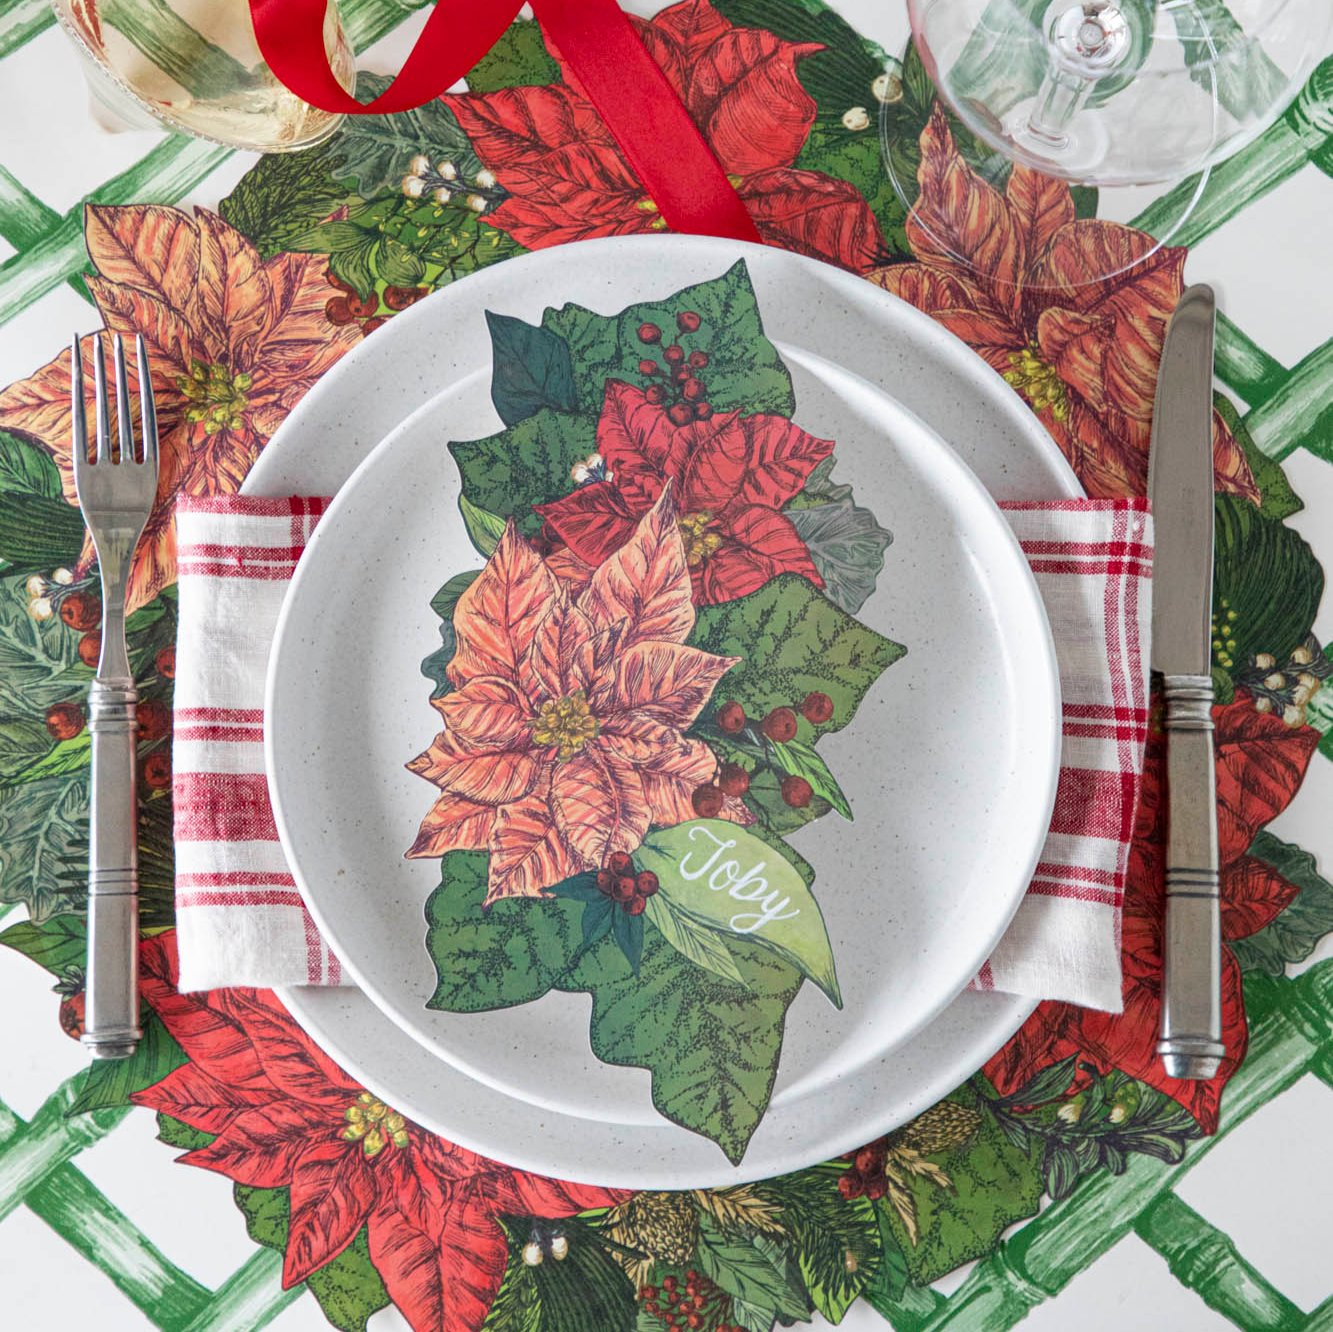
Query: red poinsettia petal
{"x": 758, "y": 544}
{"x": 334, "y": 1190}
{"x": 644, "y": 588}
{"x": 592, "y": 521}
{"x": 1253, "y": 893}
{"x": 496, "y": 617}
{"x": 259, "y": 1147}
{"x": 670, "y": 779}
{"x": 1260, "y": 764}
{"x": 953, "y": 304}
{"x": 779, "y": 456}
{"x": 198, "y": 1099}
{"x": 1076, "y": 347}
{"x": 598, "y": 801}
{"x": 816, "y": 215}
{"x": 1040, "y": 204}
{"x": 518, "y": 1193}
{"x": 639, "y": 444}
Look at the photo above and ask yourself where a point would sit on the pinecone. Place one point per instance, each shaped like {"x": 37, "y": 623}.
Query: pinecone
{"x": 939, "y": 1129}
{"x": 664, "y": 1225}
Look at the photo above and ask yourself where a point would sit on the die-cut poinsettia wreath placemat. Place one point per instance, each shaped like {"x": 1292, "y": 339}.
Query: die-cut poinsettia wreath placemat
{"x": 632, "y": 692}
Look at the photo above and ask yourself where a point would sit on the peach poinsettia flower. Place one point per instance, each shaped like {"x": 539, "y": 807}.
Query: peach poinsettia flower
{"x": 233, "y": 344}
{"x": 563, "y": 738}
{"x": 1083, "y": 354}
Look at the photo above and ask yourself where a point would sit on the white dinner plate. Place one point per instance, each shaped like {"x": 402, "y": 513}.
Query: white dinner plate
{"x": 937, "y": 938}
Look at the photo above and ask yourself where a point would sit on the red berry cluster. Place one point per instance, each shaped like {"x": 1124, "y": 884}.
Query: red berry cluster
{"x": 676, "y": 384}
{"x": 349, "y": 308}
{"x": 629, "y": 890}
{"x": 780, "y": 727}
{"x": 692, "y": 1305}
{"x": 864, "y": 1176}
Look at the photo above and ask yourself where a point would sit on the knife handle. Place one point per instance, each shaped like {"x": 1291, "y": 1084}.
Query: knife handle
{"x": 1191, "y": 1031}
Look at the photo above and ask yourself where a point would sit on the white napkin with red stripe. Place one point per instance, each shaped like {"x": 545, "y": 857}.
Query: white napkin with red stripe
{"x": 240, "y": 919}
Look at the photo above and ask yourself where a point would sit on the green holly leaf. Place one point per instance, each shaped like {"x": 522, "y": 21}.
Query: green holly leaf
{"x": 798, "y": 758}
{"x": 285, "y": 194}
{"x": 627, "y": 931}
{"x": 435, "y": 666}
{"x": 57, "y": 943}
{"x": 39, "y": 660}
{"x": 44, "y": 830}
{"x": 518, "y": 59}
{"x": 506, "y": 474}
{"x": 373, "y": 152}
{"x": 750, "y": 1317}
{"x": 728, "y": 880}
{"x": 348, "y": 1288}
{"x": 994, "y": 1184}
{"x": 177, "y": 1134}
{"x": 826, "y": 1228}
{"x": 1254, "y": 555}
{"x": 26, "y": 469}
{"x": 531, "y": 369}
{"x": 745, "y": 372}
{"x": 24, "y": 741}
{"x": 1277, "y": 499}
{"x": 847, "y": 546}
{"x": 111, "y": 1082}
{"x": 38, "y": 534}
{"x": 794, "y": 642}
{"x": 751, "y": 1269}
{"x": 1294, "y": 933}
{"x": 890, "y": 1280}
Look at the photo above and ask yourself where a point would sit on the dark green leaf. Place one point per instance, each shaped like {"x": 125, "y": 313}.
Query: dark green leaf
{"x": 531, "y": 369}
{"x": 44, "y": 826}
{"x": 1046, "y": 1085}
{"x": 1113, "y": 1158}
{"x": 847, "y": 546}
{"x": 1061, "y": 1170}
{"x": 587, "y": 1291}
{"x": 176, "y": 1134}
{"x": 518, "y": 59}
{"x": 1085, "y": 200}
{"x": 113, "y": 1081}
{"x": 24, "y": 741}
{"x": 443, "y": 603}
{"x": 1295, "y": 933}
{"x": 891, "y": 1279}
{"x": 744, "y": 370}
{"x": 1277, "y": 499}
{"x": 628, "y": 933}
{"x": 506, "y": 474}
{"x": 596, "y": 919}
{"x": 58, "y": 943}
{"x": 355, "y": 266}
{"x": 858, "y": 158}
{"x": 794, "y": 641}
{"x": 516, "y": 1307}
{"x": 26, "y": 469}
{"x": 743, "y": 1269}
{"x": 396, "y": 264}
{"x": 1254, "y": 555}
{"x": 579, "y": 888}
{"x": 38, "y": 534}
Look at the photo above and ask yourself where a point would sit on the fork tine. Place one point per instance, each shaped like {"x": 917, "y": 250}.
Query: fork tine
{"x": 78, "y": 410}
{"x": 147, "y": 405}
{"x": 103, "y": 412}
{"x": 123, "y": 427}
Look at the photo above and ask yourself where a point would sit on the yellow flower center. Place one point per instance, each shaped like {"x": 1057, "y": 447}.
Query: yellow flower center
{"x": 371, "y": 1123}
{"x": 215, "y": 396}
{"x": 699, "y": 542}
{"x": 1038, "y": 382}
{"x": 567, "y": 723}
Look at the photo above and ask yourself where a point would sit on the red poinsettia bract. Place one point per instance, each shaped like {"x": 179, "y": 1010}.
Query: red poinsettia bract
{"x": 1083, "y": 353}
{"x": 1260, "y": 764}
{"x": 567, "y": 178}
{"x": 283, "y": 1115}
{"x": 730, "y": 476}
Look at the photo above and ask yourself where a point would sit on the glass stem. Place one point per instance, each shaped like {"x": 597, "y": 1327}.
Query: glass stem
{"x": 1059, "y": 99}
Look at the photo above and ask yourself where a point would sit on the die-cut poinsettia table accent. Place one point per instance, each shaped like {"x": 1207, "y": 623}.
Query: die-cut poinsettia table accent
{"x": 632, "y": 690}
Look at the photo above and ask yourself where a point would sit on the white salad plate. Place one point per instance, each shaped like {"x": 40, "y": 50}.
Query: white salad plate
{"x": 949, "y": 764}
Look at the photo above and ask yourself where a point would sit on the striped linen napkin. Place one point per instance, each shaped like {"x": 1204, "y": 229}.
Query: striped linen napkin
{"x": 241, "y": 921}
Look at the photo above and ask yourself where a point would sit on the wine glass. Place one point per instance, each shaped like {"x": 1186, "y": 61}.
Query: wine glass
{"x": 1116, "y": 94}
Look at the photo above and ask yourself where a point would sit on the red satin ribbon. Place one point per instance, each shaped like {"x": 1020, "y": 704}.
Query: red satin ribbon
{"x": 596, "y": 39}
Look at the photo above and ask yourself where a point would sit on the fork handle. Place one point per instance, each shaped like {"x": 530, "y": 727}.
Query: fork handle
{"x": 1191, "y": 1028}
{"x": 111, "y": 1017}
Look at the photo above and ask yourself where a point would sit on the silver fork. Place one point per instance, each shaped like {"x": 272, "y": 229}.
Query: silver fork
{"x": 116, "y": 493}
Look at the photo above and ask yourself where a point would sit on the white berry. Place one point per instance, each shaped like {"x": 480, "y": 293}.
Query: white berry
{"x": 486, "y": 179}
{"x": 559, "y": 1248}
{"x": 419, "y": 165}
{"x": 62, "y": 576}
{"x": 36, "y": 585}
{"x": 414, "y": 187}
{"x": 532, "y": 1254}
{"x": 443, "y": 195}
{"x": 476, "y": 203}
{"x": 40, "y": 608}
{"x": 447, "y": 169}
{"x": 888, "y": 88}
{"x": 858, "y": 118}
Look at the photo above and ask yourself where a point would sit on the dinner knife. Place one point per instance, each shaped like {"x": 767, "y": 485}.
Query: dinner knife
{"x": 1181, "y": 489}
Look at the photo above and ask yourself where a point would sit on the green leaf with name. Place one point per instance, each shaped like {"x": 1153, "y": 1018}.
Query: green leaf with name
{"x": 509, "y": 954}
{"x": 518, "y": 59}
{"x": 484, "y": 529}
{"x": 531, "y": 369}
{"x": 747, "y": 1268}
{"x": 1254, "y": 555}
{"x": 57, "y": 943}
{"x": 1296, "y": 931}
{"x": 745, "y": 372}
{"x": 727, "y": 879}
{"x": 506, "y": 474}
{"x": 794, "y": 642}
{"x": 692, "y": 939}
{"x": 113, "y": 1081}
{"x": 798, "y": 758}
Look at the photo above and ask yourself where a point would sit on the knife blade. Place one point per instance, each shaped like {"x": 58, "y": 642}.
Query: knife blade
{"x": 1181, "y": 489}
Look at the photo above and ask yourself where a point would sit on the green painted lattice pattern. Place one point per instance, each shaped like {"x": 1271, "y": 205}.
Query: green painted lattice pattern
{"x": 1291, "y": 1019}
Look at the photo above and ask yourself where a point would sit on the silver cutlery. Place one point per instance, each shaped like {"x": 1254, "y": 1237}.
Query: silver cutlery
{"x": 1181, "y": 487}
{"x": 116, "y": 491}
